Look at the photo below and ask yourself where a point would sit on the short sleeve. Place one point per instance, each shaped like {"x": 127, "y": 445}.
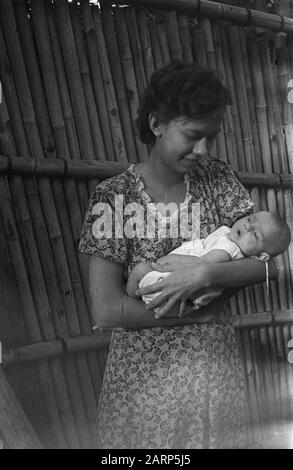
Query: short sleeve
{"x": 99, "y": 235}
{"x": 232, "y": 199}
{"x": 223, "y": 243}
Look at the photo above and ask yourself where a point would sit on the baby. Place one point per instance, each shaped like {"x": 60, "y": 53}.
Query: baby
{"x": 261, "y": 235}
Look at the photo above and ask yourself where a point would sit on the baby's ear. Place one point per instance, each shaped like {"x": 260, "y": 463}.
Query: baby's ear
{"x": 263, "y": 257}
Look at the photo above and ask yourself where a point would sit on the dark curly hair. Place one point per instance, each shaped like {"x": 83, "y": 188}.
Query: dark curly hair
{"x": 180, "y": 90}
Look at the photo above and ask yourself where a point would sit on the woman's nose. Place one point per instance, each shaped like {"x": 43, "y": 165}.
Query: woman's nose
{"x": 200, "y": 147}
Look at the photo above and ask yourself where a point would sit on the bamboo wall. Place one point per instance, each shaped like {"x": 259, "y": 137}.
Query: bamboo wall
{"x": 72, "y": 76}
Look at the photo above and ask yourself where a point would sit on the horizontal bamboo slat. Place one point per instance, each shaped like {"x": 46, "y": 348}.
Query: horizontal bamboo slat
{"x": 77, "y": 344}
{"x": 220, "y": 11}
{"x": 60, "y": 167}
{"x": 47, "y": 349}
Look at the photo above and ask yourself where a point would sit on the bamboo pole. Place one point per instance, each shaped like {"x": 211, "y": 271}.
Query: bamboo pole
{"x": 283, "y": 73}
{"x": 112, "y": 51}
{"x": 112, "y": 106}
{"x": 254, "y": 423}
{"x": 268, "y": 356}
{"x": 73, "y": 345}
{"x": 135, "y": 45}
{"x": 85, "y": 388}
{"x": 128, "y": 70}
{"x": 98, "y": 90}
{"x": 228, "y": 118}
{"x": 30, "y": 316}
{"x": 276, "y": 137}
{"x": 211, "y": 9}
{"x": 94, "y": 120}
{"x": 239, "y": 78}
{"x": 58, "y": 347}
{"x": 55, "y": 236}
{"x": 160, "y": 53}
{"x": 75, "y": 151}
{"x": 251, "y": 101}
{"x": 261, "y": 111}
{"x": 240, "y": 159}
{"x": 253, "y": 293}
{"x": 15, "y": 427}
{"x": 56, "y": 117}
{"x": 74, "y": 78}
{"x": 240, "y": 155}
{"x": 173, "y": 36}
{"x": 101, "y": 170}
{"x": 198, "y": 42}
{"x": 185, "y": 37}
{"x": 267, "y": 335}
{"x": 200, "y": 53}
{"x": 42, "y": 369}
{"x": 84, "y": 323}
{"x": 26, "y": 103}
{"x": 145, "y": 40}
{"x": 205, "y": 25}
{"x": 14, "y": 332}
{"x": 163, "y": 41}
{"x": 31, "y": 253}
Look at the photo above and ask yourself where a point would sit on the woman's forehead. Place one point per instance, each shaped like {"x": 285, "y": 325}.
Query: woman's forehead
{"x": 213, "y": 121}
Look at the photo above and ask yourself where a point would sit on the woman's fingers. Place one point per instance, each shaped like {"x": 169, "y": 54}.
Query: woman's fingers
{"x": 155, "y": 287}
{"x": 167, "y": 307}
{"x": 182, "y": 308}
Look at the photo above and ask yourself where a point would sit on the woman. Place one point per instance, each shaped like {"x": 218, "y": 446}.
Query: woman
{"x": 170, "y": 382}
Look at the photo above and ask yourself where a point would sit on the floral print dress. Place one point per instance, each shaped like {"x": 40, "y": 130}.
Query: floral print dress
{"x": 174, "y": 387}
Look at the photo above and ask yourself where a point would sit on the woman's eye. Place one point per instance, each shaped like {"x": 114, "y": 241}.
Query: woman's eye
{"x": 193, "y": 137}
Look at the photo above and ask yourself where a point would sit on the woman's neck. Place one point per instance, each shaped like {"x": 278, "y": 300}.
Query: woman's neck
{"x": 160, "y": 172}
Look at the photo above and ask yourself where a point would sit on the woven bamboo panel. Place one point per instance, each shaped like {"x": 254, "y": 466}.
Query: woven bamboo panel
{"x": 72, "y": 77}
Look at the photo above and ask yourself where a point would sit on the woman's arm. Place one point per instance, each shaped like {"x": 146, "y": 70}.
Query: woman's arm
{"x": 113, "y": 308}
{"x": 213, "y": 256}
{"x": 184, "y": 282}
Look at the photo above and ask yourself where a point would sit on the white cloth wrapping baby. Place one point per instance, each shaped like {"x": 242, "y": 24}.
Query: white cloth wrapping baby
{"x": 217, "y": 240}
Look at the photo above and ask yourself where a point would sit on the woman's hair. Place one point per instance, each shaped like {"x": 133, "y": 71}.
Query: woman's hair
{"x": 180, "y": 90}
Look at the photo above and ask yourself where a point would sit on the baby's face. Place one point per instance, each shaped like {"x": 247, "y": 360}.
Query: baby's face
{"x": 254, "y": 233}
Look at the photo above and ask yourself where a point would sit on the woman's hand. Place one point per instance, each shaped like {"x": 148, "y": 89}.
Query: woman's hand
{"x": 183, "y": 283}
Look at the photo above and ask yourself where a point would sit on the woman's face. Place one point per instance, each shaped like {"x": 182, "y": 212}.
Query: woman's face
{"x": 184, "y": 141}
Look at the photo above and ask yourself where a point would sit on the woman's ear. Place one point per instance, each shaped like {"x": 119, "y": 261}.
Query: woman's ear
{"x": 263, "y": 257}
{"x": 155, "y": 124}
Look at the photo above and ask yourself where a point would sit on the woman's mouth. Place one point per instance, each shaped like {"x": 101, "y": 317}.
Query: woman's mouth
{"x": 190, "y": 161}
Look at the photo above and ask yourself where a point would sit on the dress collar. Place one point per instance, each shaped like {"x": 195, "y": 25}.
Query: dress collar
{"x": 141, "y": 185}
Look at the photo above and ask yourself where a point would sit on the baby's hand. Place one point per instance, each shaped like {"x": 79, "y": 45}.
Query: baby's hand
{"x": 171, "y": 262}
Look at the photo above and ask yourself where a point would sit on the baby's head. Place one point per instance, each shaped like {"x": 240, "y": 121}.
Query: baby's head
{"x": 260, "y": 234}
